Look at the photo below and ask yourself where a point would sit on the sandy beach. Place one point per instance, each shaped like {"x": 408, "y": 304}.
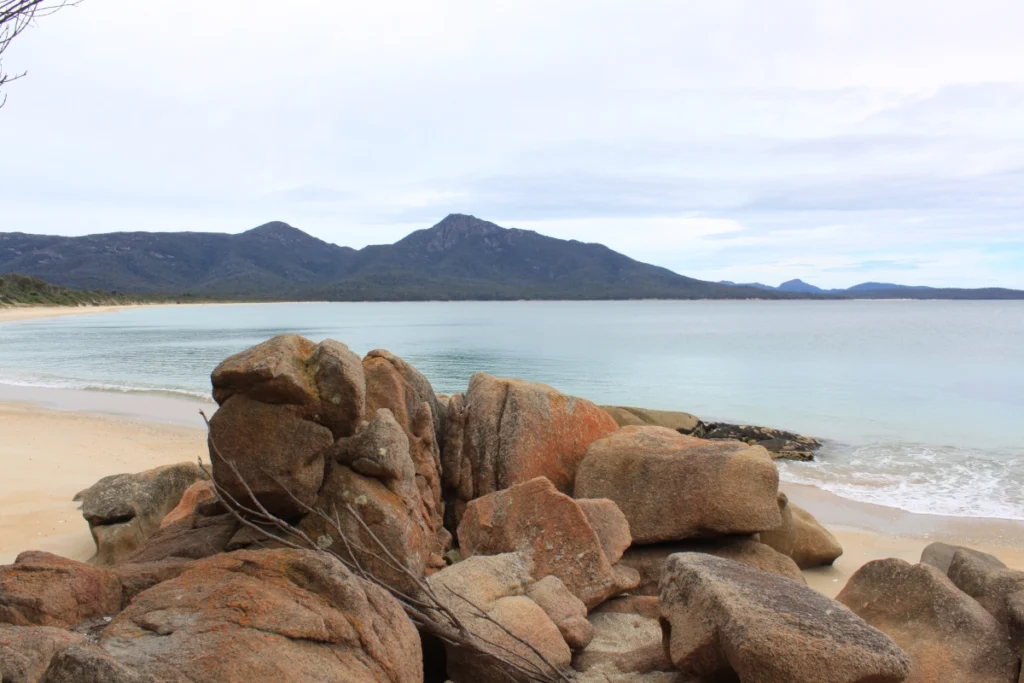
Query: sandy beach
{"x": 17, "y": 313}
{"x": 871, "y": 532}
{"x": 61, "y": 441}
{"x": 14, "y": 313}
{"x": 50, "y": 455}
{"x": 57, "y": 442}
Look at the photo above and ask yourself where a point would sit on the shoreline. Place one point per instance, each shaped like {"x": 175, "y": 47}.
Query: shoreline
{"x": 65, "y": 440}
{"x": 17, "y": 313}
{"x": 20, "y": 313}
{"x": 147, "y": 407}
{"x": 844, "y": 513}
{"x": 165, "y": 408}
{"x": 870, "y": 532}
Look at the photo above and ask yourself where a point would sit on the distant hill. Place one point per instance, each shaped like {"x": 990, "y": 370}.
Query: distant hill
{"x": 272, "y": 257}
{"x": 904, "y": 292}
{"x": 755, "y": 285}
{"x": 462, "y": 257}
{"x": 886, "y": 290}
{"x": 879, "y": 286}
{"x": 799, "y": 286}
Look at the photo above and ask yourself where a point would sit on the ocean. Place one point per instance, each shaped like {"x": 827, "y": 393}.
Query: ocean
{"x": 920, "y": 403}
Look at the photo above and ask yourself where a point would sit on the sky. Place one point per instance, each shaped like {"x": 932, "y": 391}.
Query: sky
{"x": 837, "y": 141}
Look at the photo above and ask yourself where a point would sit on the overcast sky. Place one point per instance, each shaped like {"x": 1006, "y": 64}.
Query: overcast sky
{"x": 838, "y": 141}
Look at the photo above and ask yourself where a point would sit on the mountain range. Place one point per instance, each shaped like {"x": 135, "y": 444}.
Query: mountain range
{"x": 460, "y": 258}
{"x": 887, "y": 290}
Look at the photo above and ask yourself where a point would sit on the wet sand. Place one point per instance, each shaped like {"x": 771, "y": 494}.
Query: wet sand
{"x": 147, "y": 407}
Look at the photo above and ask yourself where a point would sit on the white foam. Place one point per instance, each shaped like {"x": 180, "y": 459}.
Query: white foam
{"x": 924, "y": 479}
{"x": 85, "y": 385}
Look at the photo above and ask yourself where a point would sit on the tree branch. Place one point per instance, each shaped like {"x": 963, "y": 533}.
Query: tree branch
{"x": 15, "y": 17}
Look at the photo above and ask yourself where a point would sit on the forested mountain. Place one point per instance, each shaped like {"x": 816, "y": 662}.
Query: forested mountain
{"x": 462, "y": 257}
{"x": 271, "y": 258}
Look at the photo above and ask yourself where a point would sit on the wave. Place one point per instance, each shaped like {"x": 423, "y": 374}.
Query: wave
{"x": 86, "y": 385}
{"x": 919, "y": 478}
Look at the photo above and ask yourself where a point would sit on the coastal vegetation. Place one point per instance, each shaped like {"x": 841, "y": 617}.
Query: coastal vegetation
{"x": 24, "y": 290}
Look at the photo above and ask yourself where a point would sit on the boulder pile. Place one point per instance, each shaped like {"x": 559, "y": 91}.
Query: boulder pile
{"x": 359, "y": 527}
{"x": 552, "y": 528}
{"x": 504, "y": 432}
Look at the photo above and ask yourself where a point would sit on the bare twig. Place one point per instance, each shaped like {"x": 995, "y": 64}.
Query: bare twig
{"x": 15, "y": 17}
{"x": 427, "y": 611}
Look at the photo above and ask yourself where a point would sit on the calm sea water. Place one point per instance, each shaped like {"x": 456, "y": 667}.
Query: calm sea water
{"x": 922, "y": 403}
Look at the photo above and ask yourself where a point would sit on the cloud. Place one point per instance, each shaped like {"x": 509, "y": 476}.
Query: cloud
{"x": 737, "y": 140}
{"x": 647, "y": 235}
{"x": 313, "y": 194}
{"x": 877, "y": 265}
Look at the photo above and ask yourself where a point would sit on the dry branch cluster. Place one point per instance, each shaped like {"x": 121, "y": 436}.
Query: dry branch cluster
{"x": 424, "y": 607}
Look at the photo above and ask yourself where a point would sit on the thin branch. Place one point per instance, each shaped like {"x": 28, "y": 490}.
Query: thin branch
{"x": 15, "y": 17}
